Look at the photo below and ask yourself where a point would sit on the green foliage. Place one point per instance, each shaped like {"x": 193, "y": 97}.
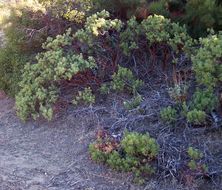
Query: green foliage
{"x": 121, "y": 8}
{"x": 130, "y": 36}
{"x": 124, "y": 80}
{"x": 194, "y": 153}
{"x": 204, "y": 100}
{"x": 207, "y": 62}
{"x": 38, "y": 86}
{"x": 201, "y": 15}
{"x": 184, "y": 109}
{"x": 105, "y": 89}
{"x": 198, "y": 15}
{"x": 161, "y": 30}
{"x": 75, "y": 16}
{"x": 134, "y": 154}
{"x": 71, "y": 10}
{"x": 86, "y": 96}
{"x": 11, "y": 66}
{"x": 196, "y": 117}
{"x": 116, "y": 162}
{"x": 97, "y": 24}
{"x": 22, "y": 25}
{"x": 159, "y": 8}
{"x": 96, "y": 154}
{"x": 168, "y": 114}
{"x": 134, "y": 103}
{"x": 135, "y": 144}
{"x": 195, "y": 157}
{"x": 156, "y": 30}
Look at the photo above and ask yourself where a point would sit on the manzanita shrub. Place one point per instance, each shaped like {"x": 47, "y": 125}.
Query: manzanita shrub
{"x": 39, "y": 84}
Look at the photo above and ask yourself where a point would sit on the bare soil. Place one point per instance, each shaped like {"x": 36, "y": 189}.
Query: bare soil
{"x": 50, "y": 156}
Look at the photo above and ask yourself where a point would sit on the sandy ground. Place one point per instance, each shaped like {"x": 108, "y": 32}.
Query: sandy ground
{"x": 50, "y": 156}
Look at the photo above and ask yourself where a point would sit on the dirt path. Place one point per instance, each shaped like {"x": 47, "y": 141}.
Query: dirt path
{"x": 50, "y": 156}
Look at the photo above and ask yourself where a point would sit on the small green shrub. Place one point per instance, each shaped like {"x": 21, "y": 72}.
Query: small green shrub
{"x": 86, "y": 96}
{"x": 96, "y": 154}
{"x": 134, "y": 154}
{"x": 135, "y": 144}
{"x": 204, "y": 100}
{"x": 196, "y": 117}
{"x": 168, "y": 114}
{"x": 195, "y": 157}
{"x": 123, "y": 79}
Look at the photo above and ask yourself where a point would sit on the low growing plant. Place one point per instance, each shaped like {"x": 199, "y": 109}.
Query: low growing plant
{"x": 86, "y": 96}
{"x": 168, "y": 114}
{"x": 196, "y": 117}
{"x": 195, "y": 160}
{"x": 124, "y": 79}
{"x": 134, "y": 153}
{"x": 204, "y": 100}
